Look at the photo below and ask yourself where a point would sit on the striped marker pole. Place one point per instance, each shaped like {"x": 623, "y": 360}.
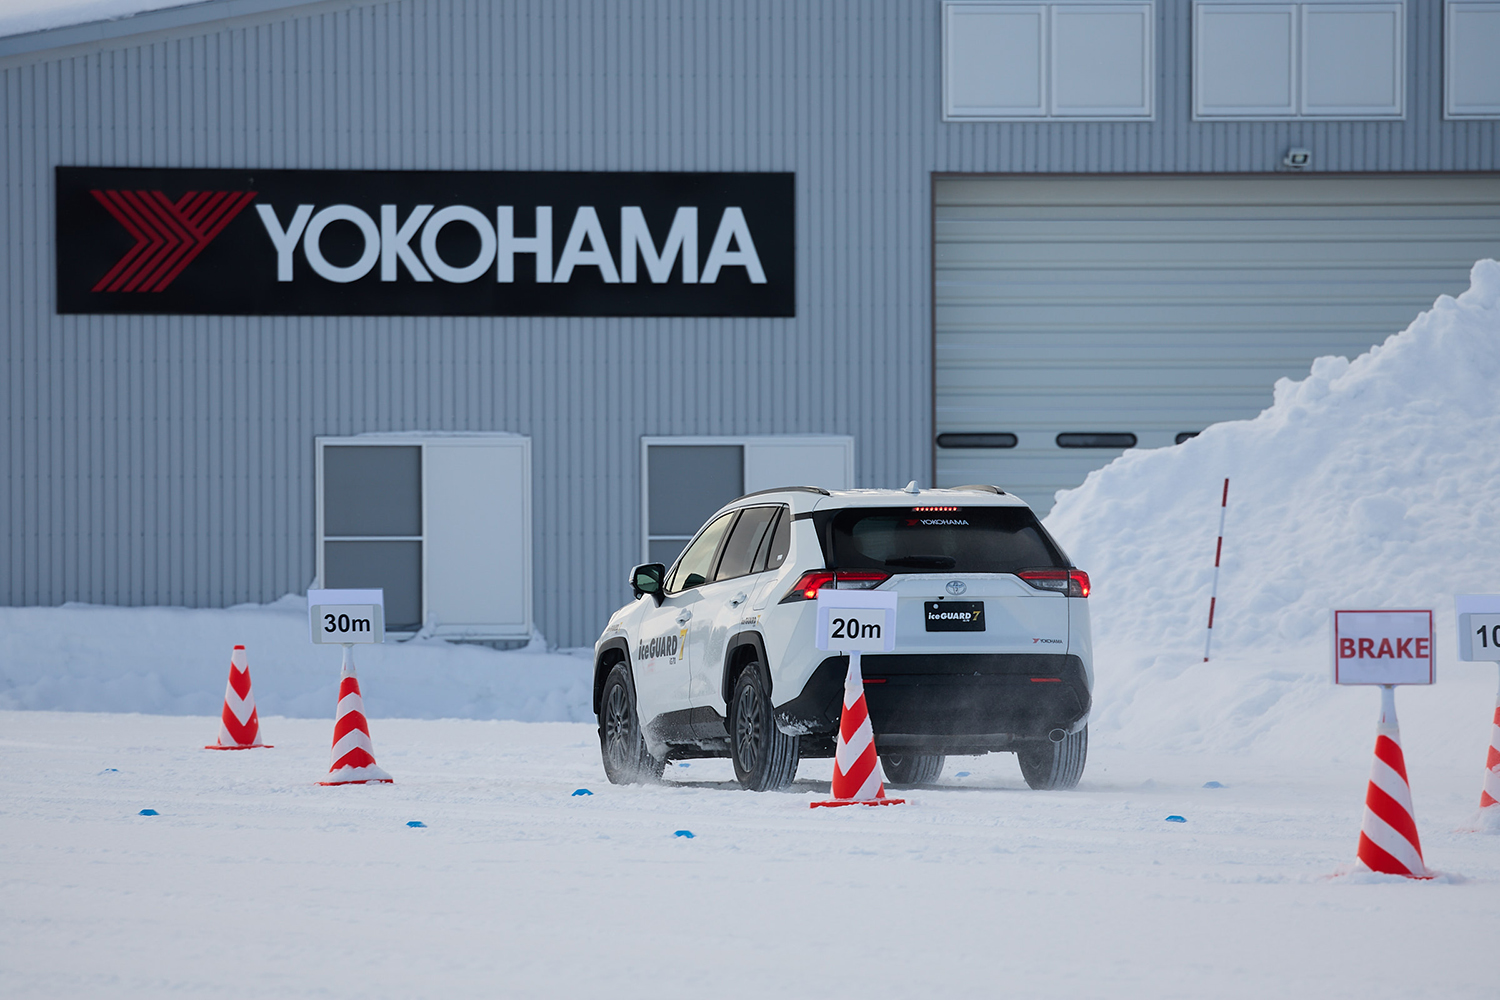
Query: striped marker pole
{"x": 353, "y": 753}
{"x": 239, "y": 725}
{"x": 856, "y": 767}
{"x": 1213, "y": 598}
{"x": 1388, "y": 841}
{"x": 1490, "y": 797}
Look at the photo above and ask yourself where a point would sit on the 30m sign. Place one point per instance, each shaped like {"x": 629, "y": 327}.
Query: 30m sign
{"x": 424, "y": 243}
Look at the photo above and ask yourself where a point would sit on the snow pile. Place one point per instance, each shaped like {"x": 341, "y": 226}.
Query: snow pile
{"x": 175, "y": 661}
{"x": 1368, "y": 484}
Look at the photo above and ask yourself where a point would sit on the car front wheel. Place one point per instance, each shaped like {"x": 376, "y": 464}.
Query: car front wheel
{"x": 765, "y": 758}
{"x": 621, "y": 744}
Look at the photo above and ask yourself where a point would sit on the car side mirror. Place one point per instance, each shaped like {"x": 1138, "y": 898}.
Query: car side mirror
{"x": 647, "y": 579}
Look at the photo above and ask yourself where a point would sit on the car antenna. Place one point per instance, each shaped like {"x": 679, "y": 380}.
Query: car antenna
{"x": 911, "y": 487}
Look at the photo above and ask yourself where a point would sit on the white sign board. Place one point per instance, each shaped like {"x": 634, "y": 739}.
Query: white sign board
{"x": 346, "y": 616}
{"x": 1478, "y": 626}
{"x": 856, "y": 621}
{"x": 1382, "y": 647}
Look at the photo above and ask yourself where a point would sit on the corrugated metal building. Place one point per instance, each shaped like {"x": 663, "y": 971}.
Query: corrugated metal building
{"x": 1031, "y": 232}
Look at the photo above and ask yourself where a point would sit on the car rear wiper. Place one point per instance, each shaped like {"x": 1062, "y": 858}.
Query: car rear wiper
{"x": 923, "y": 562}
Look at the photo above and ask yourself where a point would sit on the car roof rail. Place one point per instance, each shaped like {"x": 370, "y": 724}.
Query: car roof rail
{"x": 785, "y": 489}
{"x": 980, "y": 488}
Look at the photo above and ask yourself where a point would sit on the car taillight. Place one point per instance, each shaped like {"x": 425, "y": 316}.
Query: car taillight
{"x": 1073, "y": 582}
{"x": 806, "y": 588}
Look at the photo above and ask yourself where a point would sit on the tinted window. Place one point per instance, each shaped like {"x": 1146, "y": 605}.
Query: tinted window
{"x": 372, "y": 490}
{"x": 774, "y": 554}
{"x": 745, "y": 542}
{"x": 694, "y": 566}
{"x": 959, "y": 540}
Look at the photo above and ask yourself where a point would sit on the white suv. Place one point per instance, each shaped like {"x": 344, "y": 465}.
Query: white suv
{"x": 715, "y": 657}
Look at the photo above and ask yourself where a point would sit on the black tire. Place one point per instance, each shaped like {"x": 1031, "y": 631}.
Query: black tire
{"x": 765, "y": 758}
{"x": 621, "y": 744}
{"x": 1055, "y": 766}
{"x": 912, "y": 768}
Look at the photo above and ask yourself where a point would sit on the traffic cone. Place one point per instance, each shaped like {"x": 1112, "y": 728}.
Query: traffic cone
{"x": 353, "y": 753}
{"x": 1489, "y": 798}
{"x": 239, "y": 726}
{"x": 856, "y": 768}
{"x": 1388, "y": 840}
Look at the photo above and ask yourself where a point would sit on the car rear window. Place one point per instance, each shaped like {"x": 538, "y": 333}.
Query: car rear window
{"x": 940, "y": 540}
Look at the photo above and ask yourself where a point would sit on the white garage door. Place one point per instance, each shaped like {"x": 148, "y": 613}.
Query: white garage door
{"x": 1080, "y": 309}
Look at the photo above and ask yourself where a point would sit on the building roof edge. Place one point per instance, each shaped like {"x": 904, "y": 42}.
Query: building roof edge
{"x": 186, "y": 18}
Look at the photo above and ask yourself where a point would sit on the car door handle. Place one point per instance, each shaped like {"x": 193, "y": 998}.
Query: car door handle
{"x": 739, "y": 599}
{"x": 683, "y": 618}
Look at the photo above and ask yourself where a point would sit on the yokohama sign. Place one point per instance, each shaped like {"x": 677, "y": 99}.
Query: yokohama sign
{"x": 423, "y": 243}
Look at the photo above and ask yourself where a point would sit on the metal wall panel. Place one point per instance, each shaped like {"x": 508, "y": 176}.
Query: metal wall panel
{"x": 169, "y": 460}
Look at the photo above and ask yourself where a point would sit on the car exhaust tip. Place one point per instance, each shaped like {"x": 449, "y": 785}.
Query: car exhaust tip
{"x": 1057, "y": 735}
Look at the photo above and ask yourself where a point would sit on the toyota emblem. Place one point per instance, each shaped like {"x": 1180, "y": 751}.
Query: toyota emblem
{"x": 956, "y": 587}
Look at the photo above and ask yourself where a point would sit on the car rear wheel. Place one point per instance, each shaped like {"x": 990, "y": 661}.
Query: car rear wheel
{"x": 621, "y": 744}
{"x": 912, "y": 768}
{"x": 765, "y": 758}
{"x": 1054, "y": 766}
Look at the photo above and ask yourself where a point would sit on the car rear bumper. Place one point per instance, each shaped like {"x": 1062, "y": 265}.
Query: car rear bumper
{"x": 949, "y": 703}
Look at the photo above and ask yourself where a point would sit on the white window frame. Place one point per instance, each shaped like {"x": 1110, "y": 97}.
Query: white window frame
{"x": 741, "y": 440}
{"x": 422, "y": 440}
{"x": 1047, "y": 110}
{"x": 1299, "y": 56}
{"x": 1450, "y": 111}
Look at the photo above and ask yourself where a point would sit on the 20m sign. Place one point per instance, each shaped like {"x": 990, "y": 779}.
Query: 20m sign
{"x": 424, "y": 243}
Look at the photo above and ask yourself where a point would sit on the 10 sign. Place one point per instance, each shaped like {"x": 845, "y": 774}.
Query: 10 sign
{"x": 1479, "y": 637}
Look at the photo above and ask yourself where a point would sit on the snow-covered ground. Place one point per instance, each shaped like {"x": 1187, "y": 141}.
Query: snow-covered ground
{"x": 254, "y": 882}
{"x": 1370, "y": 483}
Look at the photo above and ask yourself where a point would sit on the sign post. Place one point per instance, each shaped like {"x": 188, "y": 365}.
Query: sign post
{"x": 1479, "y": 639}
{"x": 855, "y": 622}
{"x": 1386, "y": 648}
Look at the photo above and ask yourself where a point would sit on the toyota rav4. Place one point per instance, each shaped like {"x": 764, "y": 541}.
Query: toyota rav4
{"x": 716, "y": 656}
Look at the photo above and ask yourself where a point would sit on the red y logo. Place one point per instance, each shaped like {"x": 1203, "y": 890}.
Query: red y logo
{"x": 168, "y": 234}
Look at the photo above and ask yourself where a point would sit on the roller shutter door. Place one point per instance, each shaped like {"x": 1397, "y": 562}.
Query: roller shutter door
{"x": 1156, "y": 306}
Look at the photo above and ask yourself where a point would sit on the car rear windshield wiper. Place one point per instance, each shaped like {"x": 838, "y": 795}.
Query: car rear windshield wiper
{"x": 923, "y": 562}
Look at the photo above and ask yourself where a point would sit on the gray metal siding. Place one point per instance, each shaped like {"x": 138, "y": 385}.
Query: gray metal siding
{"x": 168, "y": 460}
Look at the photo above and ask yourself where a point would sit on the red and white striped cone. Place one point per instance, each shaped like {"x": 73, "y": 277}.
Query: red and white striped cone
{"x": 856, "y": 767}
{"x": 353, "y": 753}
{"x": 239, "y": 726}
{"x": 1388, "y": 841}
{"x": 1489, "y": 798}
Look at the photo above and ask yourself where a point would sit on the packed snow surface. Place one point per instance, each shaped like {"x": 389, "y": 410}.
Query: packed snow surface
{"x": 252, "y": 881}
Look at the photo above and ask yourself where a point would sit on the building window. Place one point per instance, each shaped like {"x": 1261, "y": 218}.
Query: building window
{"x": 1038, "y": 61}
{"x": 685, "y": 479}
{"x": 1471, "y": 66}
{"x": 441, "y": 523}
{"x": 1271, "y": 61}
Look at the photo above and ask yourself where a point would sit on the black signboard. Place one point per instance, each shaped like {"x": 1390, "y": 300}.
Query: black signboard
{"x": 424, "y": 243}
